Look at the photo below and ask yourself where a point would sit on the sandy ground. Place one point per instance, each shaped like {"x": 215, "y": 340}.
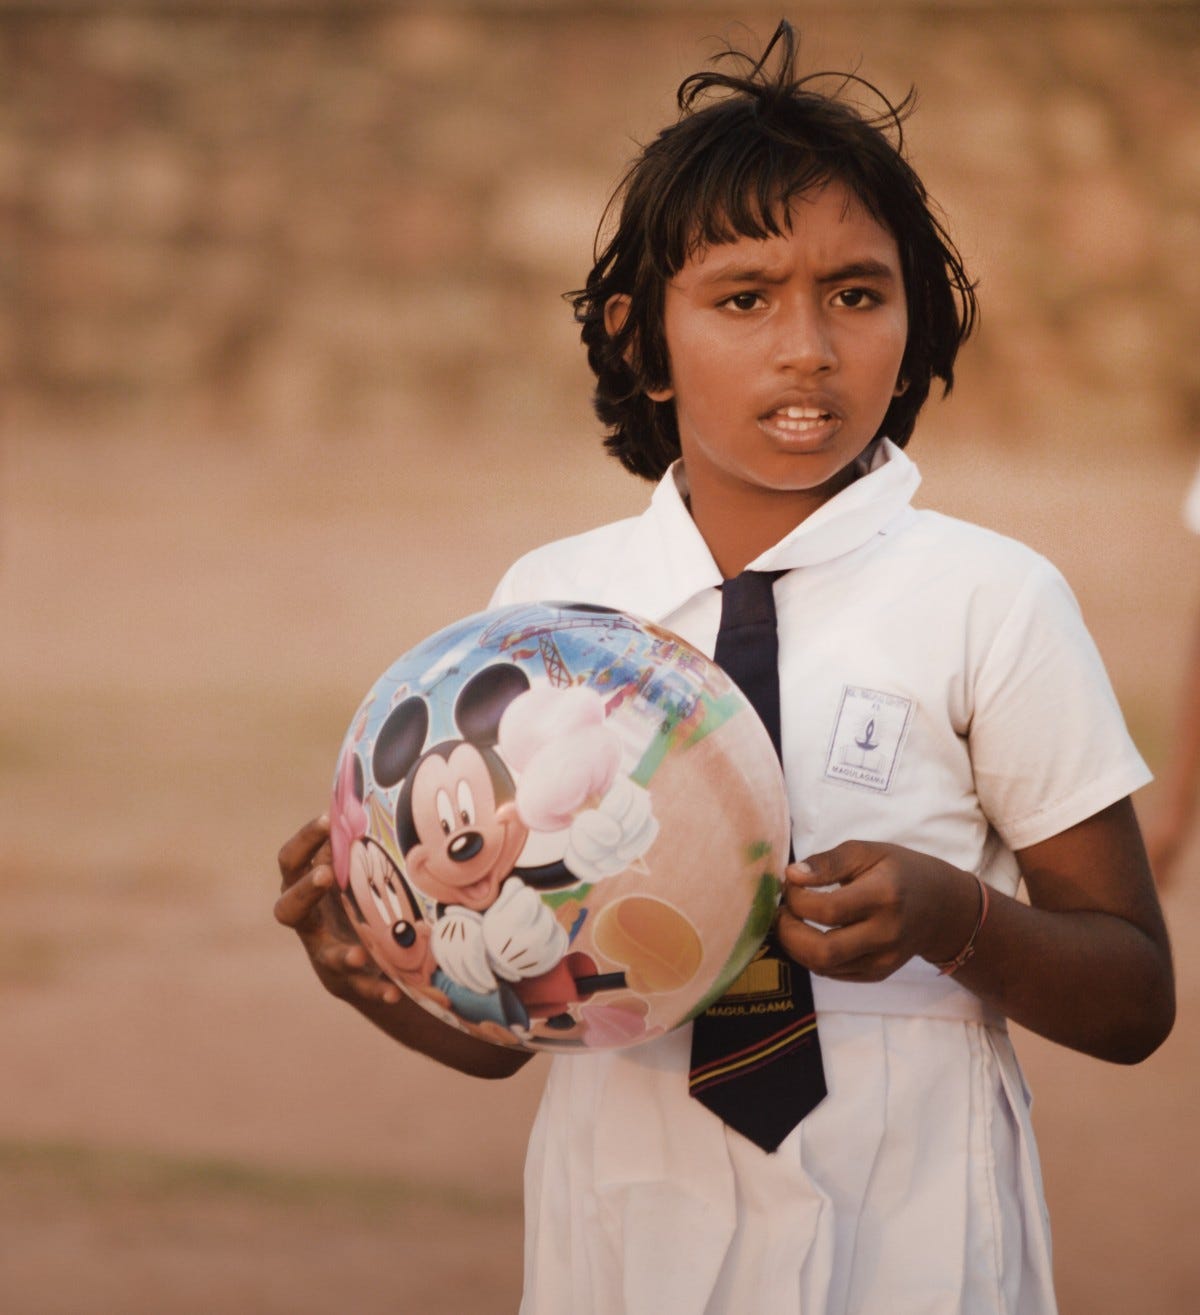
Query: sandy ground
{"x": 186, "y": 1123}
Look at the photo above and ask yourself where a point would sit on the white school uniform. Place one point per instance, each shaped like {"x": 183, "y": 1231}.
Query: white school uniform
{"x": 914, "y": 1187}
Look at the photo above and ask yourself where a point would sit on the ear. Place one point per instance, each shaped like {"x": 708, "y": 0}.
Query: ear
{"x": 616, "y": 312}
{"x": 482, "y": 700}
{"x": 399, "y": 742}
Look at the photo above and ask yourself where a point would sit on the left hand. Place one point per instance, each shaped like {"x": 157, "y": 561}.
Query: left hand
{"x": 310, "y": 906}
{"x": 886, "y": 904}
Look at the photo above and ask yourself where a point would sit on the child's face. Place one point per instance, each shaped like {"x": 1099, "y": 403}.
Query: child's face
{"x": 785, "y": 353}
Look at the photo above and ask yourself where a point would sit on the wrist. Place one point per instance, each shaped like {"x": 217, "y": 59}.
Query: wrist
{"x": 980, "y": 902}
{"x": 953, "y": 916}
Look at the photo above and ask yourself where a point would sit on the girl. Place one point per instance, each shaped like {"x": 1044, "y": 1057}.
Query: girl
{"x": 764, "y": 326}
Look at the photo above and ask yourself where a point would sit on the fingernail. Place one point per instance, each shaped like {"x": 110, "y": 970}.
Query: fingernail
{"x": 322, "y": 876}
{"x": 323, "y": 821}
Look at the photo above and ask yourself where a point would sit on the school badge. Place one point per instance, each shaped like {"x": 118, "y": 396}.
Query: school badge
{"x": 868, "y": 736}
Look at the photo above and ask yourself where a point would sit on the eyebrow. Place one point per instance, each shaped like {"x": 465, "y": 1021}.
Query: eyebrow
{"x": 860, "y": 269}
{"x": 877, "y": 270}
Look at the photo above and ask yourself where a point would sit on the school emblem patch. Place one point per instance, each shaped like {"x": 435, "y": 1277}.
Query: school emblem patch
{"x": 868, "y": 736}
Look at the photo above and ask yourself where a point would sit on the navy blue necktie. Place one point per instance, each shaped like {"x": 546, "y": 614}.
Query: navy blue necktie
{"x": 756, "y": 1060}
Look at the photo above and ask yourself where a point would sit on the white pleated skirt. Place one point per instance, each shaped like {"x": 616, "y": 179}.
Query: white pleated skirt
{"x": 913, "y": 1188}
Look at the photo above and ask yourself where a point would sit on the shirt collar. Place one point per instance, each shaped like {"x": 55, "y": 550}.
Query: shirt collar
{"x": 668, "y": 561}
{"x": 885, "y": 487}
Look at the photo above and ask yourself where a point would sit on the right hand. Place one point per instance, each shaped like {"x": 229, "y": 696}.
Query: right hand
{"x": 310, "y": 906}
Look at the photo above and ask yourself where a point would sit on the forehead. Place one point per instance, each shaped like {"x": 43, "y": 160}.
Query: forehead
{"x": 826, "y": 228}
{"x": 464, "y": 763}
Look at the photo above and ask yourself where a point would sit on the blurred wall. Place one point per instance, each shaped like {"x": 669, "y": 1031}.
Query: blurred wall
{"x": 284, "y": 214}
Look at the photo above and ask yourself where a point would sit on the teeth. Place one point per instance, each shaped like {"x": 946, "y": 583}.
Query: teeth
{"x": 800, "y": 419}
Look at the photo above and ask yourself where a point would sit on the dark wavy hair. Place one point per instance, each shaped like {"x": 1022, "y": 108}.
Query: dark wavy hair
{"x": 745, "y": 144}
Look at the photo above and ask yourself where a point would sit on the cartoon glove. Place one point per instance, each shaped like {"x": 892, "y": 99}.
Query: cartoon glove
{"x": 524, "y": 939}
{"x": 545, "y": 715}
{"x": 606, "y": 839}
{"x": 461, "y": 953}
{"x": 566, "y": 775}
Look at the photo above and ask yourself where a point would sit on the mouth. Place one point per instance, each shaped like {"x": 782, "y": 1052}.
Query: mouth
{"x": 799, "y": 424}
{"x": 476, "y": 891}
{"x": 479, "y": 887}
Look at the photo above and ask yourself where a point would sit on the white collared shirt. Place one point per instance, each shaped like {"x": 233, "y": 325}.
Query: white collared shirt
{"x": 940, "y": 691}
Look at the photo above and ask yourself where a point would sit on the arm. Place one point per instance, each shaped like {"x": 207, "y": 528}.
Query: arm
{"x": 310, "y": 907}
{"x": 1085, "y": 963}
{"x": 1173, "y": 816}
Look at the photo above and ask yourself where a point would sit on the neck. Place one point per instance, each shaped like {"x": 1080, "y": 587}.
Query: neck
{"x": 741, "y": 522}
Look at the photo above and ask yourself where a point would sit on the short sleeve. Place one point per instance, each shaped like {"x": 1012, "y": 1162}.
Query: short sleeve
{"x": 525, "y": 581}
{"x": 1049, "y": 745}
{"x": 506, "y": 591}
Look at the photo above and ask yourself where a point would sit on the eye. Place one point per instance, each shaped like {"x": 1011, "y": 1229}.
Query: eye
{"x": 744, "y": 301}
{"x": 393, "y": 896}
{"x": 445, "y": 812}
{"x": 856, "y": 298}
{"x": 466, "y": 804}
{"x": 404, "y": 934}
{"x": 380, "y": 903}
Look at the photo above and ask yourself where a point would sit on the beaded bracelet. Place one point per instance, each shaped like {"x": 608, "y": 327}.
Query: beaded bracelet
{"x": 953, "y": 965}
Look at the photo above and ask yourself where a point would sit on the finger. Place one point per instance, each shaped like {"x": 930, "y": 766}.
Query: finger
{"x": 800, "y": 941}
{"x": 832, "y": 953}
{"x": 831, "y": 906}
{"x": 814, "y": 871}
{"x": 298, "y": 852}
{"x": 298, "y": 905}
{"x": 862, "y": 970}
{"x": 843, "y": 863}
{"x": 375, "y": 987}
{"x": 341, "y": 957}
{"x": 349, "y": 962}
{"x": 388, "y": 992}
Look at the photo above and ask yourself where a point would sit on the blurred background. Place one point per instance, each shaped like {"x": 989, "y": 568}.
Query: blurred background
{"x": 287, "y": 382}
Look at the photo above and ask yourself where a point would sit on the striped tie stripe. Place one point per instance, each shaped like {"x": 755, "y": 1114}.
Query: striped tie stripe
{"x": 734, "y": 1065}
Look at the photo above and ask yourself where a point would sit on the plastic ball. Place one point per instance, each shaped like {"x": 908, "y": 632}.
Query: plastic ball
{"x": 559, "y": 827}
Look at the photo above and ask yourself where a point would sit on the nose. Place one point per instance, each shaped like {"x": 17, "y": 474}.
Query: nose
{"x": 804, "y": 339}
{"x": 464, "y": 848}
